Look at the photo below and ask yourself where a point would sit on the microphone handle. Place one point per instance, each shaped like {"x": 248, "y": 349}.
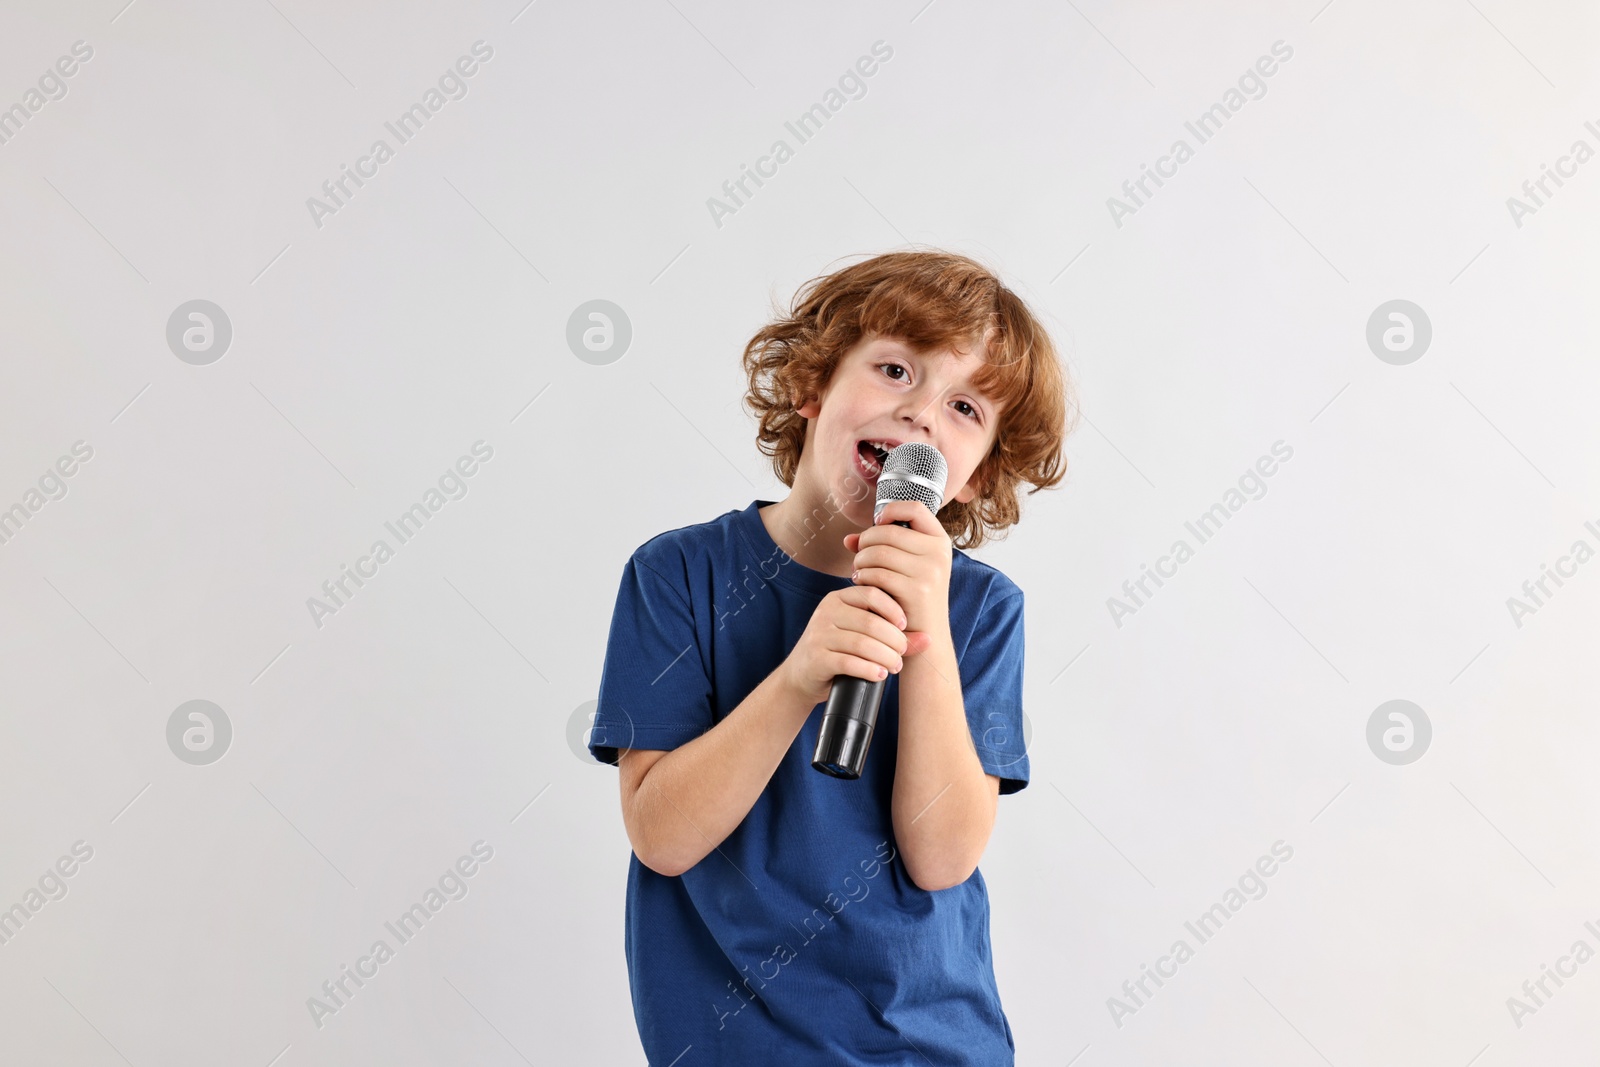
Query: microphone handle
{"x": 848, "y": 722}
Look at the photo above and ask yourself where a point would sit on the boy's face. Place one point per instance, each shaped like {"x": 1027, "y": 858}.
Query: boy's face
{"x": 882, "y": 391}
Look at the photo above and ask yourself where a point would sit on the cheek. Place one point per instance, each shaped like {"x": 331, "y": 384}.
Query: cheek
{"x": 977, "y": 472}
{"x": 848, "y": 417}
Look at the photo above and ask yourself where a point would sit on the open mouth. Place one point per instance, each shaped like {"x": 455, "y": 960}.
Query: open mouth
{"x": 870, "y": 456}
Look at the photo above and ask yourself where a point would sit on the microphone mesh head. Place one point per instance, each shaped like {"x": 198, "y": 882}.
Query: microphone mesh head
{"x": 912, "y": 471}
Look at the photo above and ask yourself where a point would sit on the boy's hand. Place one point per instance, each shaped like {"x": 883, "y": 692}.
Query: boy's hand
{"x": 911, "y": 565}
{"x": 854, "y": 631}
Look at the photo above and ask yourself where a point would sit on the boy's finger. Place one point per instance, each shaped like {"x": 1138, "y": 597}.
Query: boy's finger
{"x": 860, "y": 666}
{"x": 890, "y": 581}
{"x": 913, "y": 511}
{"x": 875, "y": 626}
{"x": 872, "y": 599}
{"x": 888, "y": 533}
{"x": 886, "y": 557}
{"x": 871, "y": 645}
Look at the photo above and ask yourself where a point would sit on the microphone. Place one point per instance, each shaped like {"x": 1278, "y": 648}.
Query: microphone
{"x": 912, "y": 471}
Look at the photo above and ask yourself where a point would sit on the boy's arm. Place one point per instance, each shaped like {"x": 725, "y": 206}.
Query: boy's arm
{"x": 677, "y": 806}
{"x": 944, "y": 802}
{"x": 680, "y": 805}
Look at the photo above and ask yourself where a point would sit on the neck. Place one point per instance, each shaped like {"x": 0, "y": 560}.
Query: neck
{"x": 811, "y": 532}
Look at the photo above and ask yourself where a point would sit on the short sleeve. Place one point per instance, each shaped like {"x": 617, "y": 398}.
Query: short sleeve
{"x": 654, "y": 692}
{"x": 991, "y": 690}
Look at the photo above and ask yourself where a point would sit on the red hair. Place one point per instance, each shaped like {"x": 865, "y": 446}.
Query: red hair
{"x": 931, "y": 300}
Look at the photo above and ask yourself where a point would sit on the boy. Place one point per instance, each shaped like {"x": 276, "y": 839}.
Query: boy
{"x": 774, "y": 913}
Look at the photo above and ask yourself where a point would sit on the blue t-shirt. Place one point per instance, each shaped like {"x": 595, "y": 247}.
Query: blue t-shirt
{"x": 801, "y": 939}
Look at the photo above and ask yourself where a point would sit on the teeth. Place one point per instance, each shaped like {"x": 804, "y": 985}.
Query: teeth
{"x": 875, "y": 463}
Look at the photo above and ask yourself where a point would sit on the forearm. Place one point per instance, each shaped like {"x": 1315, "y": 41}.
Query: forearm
{"x": 944, "y": 802}
{"x": 693, "y": 797}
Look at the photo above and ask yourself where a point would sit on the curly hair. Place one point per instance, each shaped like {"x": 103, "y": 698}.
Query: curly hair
{"x": 930, "y": 300}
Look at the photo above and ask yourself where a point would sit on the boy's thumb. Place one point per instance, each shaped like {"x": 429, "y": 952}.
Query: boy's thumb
{"x": 916, "y": 643}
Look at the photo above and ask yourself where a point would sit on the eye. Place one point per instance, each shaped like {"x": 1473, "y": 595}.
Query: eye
{"x": 896, "y": 366}
{"x": 970, "y": 408}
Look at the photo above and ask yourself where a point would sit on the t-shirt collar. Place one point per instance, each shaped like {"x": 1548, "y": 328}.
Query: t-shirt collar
{"x": 777, "y": 565}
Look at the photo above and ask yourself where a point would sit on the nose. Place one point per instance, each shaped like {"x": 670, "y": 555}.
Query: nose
{"x": 916, "y": 411}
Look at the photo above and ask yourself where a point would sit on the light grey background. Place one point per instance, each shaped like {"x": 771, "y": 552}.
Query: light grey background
{"x": 431, "y": 312}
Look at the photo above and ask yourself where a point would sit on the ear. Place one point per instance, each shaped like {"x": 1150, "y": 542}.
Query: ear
{"x": 808, "y": 408}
